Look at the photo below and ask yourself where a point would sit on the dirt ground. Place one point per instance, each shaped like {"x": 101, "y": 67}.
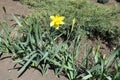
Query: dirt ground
{"x": 12, "y": 7}
{"x": 7, "y": 72}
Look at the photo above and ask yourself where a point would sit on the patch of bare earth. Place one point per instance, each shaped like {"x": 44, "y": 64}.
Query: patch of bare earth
{"x": 7, "y": 70}
{"x": 12, "y": 7}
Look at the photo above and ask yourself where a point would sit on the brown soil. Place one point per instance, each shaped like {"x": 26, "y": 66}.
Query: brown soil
{"x": 8, "y": 72}
{"x": 12, "y": 7}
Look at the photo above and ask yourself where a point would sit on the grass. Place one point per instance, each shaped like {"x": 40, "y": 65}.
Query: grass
{"x": 99, "y": 21}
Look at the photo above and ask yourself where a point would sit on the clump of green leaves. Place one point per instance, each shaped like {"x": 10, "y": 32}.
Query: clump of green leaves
{"x": 40, "y": 46}
{"x": 99, "y": 67}
{"x": 43, "y": 47}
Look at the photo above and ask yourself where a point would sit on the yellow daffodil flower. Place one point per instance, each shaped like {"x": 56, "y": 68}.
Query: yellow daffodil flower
{"x": 56, "y": 21}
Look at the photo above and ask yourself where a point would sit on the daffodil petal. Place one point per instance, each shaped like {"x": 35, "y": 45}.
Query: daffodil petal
{"x": 52, "y": 23}
{"x": 52, "y": 17}
{"x": 62, "y": 22}
{"x": 57, "y": 27}
{"x": 62, "y": 18}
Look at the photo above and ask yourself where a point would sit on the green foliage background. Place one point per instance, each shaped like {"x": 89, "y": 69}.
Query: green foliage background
{"x": 97, "y": 19}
